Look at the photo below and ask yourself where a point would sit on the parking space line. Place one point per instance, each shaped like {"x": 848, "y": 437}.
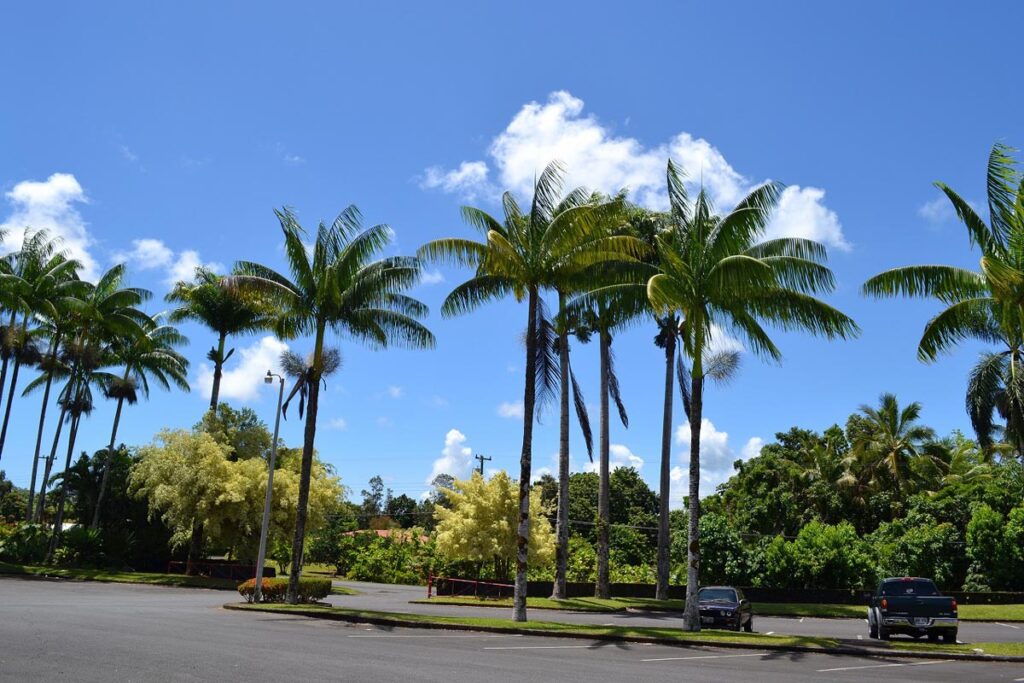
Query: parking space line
{"x": 677, "y": 659}
{"x": 545, "y": 647}
{"x": 881, "y": 666}
{"x": 429, "y": 635}
{"x": 999, "y": 623}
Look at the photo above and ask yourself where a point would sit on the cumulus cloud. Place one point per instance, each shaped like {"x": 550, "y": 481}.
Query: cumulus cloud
{"x": 717, "y": 457}
{"x": 938, "y": 211}
{"x": 598, "y": 158}
{"x": 456, "y": 457}
{"x": 395, "y": 392}
{"x": 431, "y": 277}
{"x": 51, "y": 205}
{"x": 618, "y": 456}
{"x": 338, "y": 423}
{"x": 242, "y": 378}
{"x": 511, "y": 410}
{"x": 152, "y": 254}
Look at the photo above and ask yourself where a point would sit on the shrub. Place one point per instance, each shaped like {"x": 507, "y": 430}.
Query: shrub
{"x": 276, "y": 589}
{"x": 80, "y": 547}
{"x": 27, "y": 545}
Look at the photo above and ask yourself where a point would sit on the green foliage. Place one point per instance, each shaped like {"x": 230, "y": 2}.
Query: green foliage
{"x": 81, "y": 547}
{"x": 919, "y": 546}
{"x": 821, "y": 556}
{"x": 13, "y": 500}
{"x": 390, "y": 561}
{"x": 724, "y": 558}
{"x": 243, "y": 430}
{"x": 26, "y": 545}
{"x": 274, "y": 590}
{"x": 995, "y": 545}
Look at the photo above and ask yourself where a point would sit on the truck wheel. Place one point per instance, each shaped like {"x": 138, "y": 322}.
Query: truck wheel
{"x": 949, "y": 636}
{"x": 872, "y": 630}
{"x": 933, "y": 637}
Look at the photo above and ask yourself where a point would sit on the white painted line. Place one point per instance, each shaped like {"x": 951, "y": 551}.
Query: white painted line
{"x": 1008, "y": 625}
{"x": 400, "y": 635}
{"x": 770, "y": 633}
{"x": 881, "y": 666}
{"x": 676, "y": 659}
{"x": 801, "y": 620}
{"x": 607, "y": 624}
{"x": 860, "y": 637}
{"x": 545, "y": 647}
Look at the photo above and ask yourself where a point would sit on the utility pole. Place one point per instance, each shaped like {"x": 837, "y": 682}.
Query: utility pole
{"x": 481, "y": 458}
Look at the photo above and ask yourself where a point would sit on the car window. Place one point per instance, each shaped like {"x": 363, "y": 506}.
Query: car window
{"x": 922, "y": 587}
{"x": 720, "y": 594}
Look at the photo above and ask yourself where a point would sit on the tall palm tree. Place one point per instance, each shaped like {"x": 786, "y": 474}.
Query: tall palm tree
{"x": 987, "y": 305}
{"x": 338, "y": 286}
{"x": 47, "y": 281}
{"x": 150, "y": 354}
{"x": 226, "y": 311}
{"x": 520, "y": 256}
{"x": 891, "y": 439}
{"x": 716, "y": 271}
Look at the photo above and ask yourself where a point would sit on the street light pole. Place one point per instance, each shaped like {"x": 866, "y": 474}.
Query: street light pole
{"x": 262, "y": 555}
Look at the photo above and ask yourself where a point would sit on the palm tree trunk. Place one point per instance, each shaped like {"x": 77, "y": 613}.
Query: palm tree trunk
{"x": 106, "y": 462}
{"x": 49, "y": 464}
{"x": 10, "y": 401}
{"x": 58, "y": 521}
{"x": 603, "y": 588}
{"x": 562, "y": 515}
{"x": 218, "y": 368}
{"x": 312, "y": 404}
{"x": 42, "y": 422}
{"x": 526, "y": 459}
{"x": 664, "y": 485}
{"x": 3, "y": 366}
{"x": 691, "y": 617}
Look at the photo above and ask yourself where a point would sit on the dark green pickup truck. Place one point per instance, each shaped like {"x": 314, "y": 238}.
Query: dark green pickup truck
{"x": 913, "y": 607}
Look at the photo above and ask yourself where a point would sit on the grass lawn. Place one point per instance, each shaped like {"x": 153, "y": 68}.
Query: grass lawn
{"x": 1001, "y": 649}
{"x": 967, "y": 612}
{"x": 546, "y": 627}
{"x": 152, "y": 579}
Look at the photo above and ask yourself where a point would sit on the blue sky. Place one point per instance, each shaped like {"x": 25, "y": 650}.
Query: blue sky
{"x": 165, "y": 135}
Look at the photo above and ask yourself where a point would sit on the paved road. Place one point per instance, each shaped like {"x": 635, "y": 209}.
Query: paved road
{"x": 396, "y": 599}
{"x": 115, "y": 632}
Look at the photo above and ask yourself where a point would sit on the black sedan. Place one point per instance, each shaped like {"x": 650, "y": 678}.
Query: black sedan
{"x": 725, "y": 607}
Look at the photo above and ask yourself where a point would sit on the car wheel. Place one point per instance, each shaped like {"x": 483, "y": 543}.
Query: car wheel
{"x": 949, "y": 637}
{"x": 883, "y": 633}
{"x": 749, "y": 628}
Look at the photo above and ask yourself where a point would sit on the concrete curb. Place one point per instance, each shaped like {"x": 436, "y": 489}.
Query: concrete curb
{"x": 355, "y": 617}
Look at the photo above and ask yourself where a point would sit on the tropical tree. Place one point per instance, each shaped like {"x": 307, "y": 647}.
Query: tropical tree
{"x": 987, "y": 305}
{"x": 890, "y": 439}
{"x": 523, "y": 255}
{"x": 148, "y": 355}
{"x": 717, "y": 271}
{"x": 335, "y": 286}
{"x": 226, "y": 311}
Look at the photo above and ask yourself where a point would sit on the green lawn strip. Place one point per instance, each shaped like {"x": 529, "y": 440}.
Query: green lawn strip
{"x": 343, "y": 590}
{"x": 151, "y": 579}
{"x": 1008, "y": 613}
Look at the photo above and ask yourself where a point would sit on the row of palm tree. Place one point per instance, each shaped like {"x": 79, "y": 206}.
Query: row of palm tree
{"x": 96, "y": 338}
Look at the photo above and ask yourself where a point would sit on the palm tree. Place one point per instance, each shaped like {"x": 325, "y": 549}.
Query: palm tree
{"x": 714, "y": 271}
{"x": 890, "y": 440}
{"x": 224, "y": 310}
{"x": 523, "y": 255}
{"x": 151, "y": 354}
{"x": 986, "y": 305}
{"x": 336, "y": 285}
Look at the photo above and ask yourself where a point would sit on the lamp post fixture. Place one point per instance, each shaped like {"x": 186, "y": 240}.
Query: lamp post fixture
{"x": 262, "y": 555}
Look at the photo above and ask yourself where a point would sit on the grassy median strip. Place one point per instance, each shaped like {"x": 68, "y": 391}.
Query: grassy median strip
{"x": 152, "y": 579}
{"x": 995, "y": 649}
{"x": 767, "y": 609}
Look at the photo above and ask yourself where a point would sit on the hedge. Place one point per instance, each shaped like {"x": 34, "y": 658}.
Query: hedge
{"x": 276, "y": 589}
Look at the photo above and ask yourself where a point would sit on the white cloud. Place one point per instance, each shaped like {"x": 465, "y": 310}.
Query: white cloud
{"x": 618, "y": 456}
{"x": 438, "y": 401}
{"x": 395, "y": 392}
{"x": 716, "y": 459}
{"x": 599, "y": 159}
{"x": 511, "y": 410}
{"x": 338, "y": 423}
{"x": 385, "y": 422}
{"x": 468, "y": 180}
{"x": 149, "y": 253}
{"x": 937, "y": 211}
{"x": 293, "y": 159}
{"x": 51, "y": 205}
{"x": 242, "y": 380}
{"x": 432, "y": 277}
{"x": 539, "y": 472}
{"x": 456, "y": 458}
{"x": 127, "y": 153}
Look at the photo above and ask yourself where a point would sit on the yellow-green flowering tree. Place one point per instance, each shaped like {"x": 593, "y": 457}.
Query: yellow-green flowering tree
{"x": 188, "y": 476}
{"x": 480, "y": 521}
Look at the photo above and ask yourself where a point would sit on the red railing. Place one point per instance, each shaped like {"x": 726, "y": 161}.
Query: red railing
{"x": 446, "y": 585}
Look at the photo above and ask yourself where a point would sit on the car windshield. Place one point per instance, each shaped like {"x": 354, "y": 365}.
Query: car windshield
{"x": 909, "y": 587}
{"x": 717, "y": 595}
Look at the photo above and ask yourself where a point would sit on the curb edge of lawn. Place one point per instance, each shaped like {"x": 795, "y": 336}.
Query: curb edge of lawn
{"x": 357, "y": 617}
